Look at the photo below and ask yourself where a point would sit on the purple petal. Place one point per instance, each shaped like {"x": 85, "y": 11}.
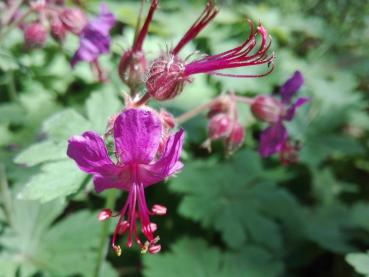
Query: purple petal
{"x": 167, "y": 165}
{"x": 121, "y": 181}
{"x": 137, "y": 135}
{"x": 90, "y": 154}
{"x": 272, "y": 139}
{"x": 92, "y": 44}
{"x": 292, "y": 109}
{"x": 291, "y": 86}
{"x": 104, "y": 21}
{"x": 94, "y": 38}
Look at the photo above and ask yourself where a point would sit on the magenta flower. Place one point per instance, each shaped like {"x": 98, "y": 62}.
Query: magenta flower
{"x": 274, "y": 139}
{"x": 137, "y": 135}
{"x": 94, "y": 37}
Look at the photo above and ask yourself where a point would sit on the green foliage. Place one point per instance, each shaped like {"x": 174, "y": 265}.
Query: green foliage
{"x": 227, "y": 216}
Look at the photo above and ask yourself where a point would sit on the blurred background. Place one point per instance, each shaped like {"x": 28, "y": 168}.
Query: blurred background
{"x": 227, "y": 216}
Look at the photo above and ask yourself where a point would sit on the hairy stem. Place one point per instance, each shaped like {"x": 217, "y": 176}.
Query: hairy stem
{"x": 194, "y": 112}
{"x": 143, "y": 100}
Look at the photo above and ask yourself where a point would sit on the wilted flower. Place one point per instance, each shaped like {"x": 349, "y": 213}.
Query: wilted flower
{"x": 137, "y": 135}
{"x": 95, "y": 38}
{"x": 35, "y": 35}
{"x": 274, "y": 139}
{"x": 133, "y": 64}
{"x": 169, "y": 73}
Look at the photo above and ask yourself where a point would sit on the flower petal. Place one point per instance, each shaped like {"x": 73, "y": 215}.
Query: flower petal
{"x": 167, "y": 165}
{"x": 90, "y": 154}
{"x": 291, "y": 86}
{"x": 121, "y": 181}
{"x": 292, "y": 109}
{"x": 272, "y": 139}
{"x": 104, "y": 21}
{"x": 137, "y": 136}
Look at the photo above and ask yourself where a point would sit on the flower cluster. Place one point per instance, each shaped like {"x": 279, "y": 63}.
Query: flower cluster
{"x": 55, "y": 18}
{"x": 146, "y": 146}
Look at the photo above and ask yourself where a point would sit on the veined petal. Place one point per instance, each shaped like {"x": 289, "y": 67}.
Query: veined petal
{"x": 272, "y": 139}
{"x": 137, "y": 136}
{"x": 90, "y": 154}
{"x": 121, "y": 180}
{"x": 291, "y": 86}
{"x": 292, "y": 109}
{"x": 167, "y": 165}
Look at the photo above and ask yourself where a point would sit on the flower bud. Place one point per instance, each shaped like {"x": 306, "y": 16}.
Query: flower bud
{"x": 104, "y": 214}
{"x": 155, "y": 248}
{"x": 219, "y": 126}
{"x": 34, "y": 35}
{"x": 267, "y": 108}
{"x": 166, "y": 77}
{"x": 159, "y": 209}
{"x": 57, "y": 29}
{"x": 74, "y": 20}
{"x": 132, "y": 68}
{"x": 235, "y": 138}
{"x": 220, "y": 105}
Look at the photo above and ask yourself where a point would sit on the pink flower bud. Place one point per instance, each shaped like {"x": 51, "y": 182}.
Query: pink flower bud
{"x": 153, "y": 249}
{"x": 159, "y": 209}
{"x": 132, "y": 68}
{"x": 167, "y": 119}
{"x": 57, "y": 29}
{"x": 220, "y": 105}
{"x": 235, "y": 138}
{"x": 35, "y": 35}
{"x": 104, "y": 214}
{"x": 166, "y": 79}
{"x": 219, "y": 126}
{"x": 267, "y": 108}
{"x": 74, "y": 20}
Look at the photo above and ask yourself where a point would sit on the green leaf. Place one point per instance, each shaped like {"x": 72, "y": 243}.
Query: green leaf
{"x": 192, "y": 257}
{"x": 64, "y": 124}
{"x": 42, "y": 152}
{"x": 234, "y": 198}
{"x": 56, "y": 179}
{"x": 327, "y": 227}
{"x": 360, "y": 261}
{"x": 100, "y": 107}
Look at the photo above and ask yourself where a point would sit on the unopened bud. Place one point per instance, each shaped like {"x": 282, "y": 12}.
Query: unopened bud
{"x": 57, "y": 29}
{"x": 132, "y": 68}
{"x": 167, "y": 119}
{"x": 104, "y": 214}
{"x": 35, "y": 35}
{"x": 235, "y": 138}
{"x": 220, "y": 105}
{"x": 74, "y": 20}
{"x": 219, "y": 126}
{"x": 153, "y": 249}
{"x": 166, "y": 78}
{"x": 159, "y": 210}
{"x": 267, "y": 108}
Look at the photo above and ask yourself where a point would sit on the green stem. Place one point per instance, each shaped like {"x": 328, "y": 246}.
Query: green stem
{"x": 104, "y": 236}
{"x": 6, "y": 195}
{"x": 12, "y": 91}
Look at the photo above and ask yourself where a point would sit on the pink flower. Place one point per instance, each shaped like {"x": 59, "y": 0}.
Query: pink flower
{"x": 137, "y": 135}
